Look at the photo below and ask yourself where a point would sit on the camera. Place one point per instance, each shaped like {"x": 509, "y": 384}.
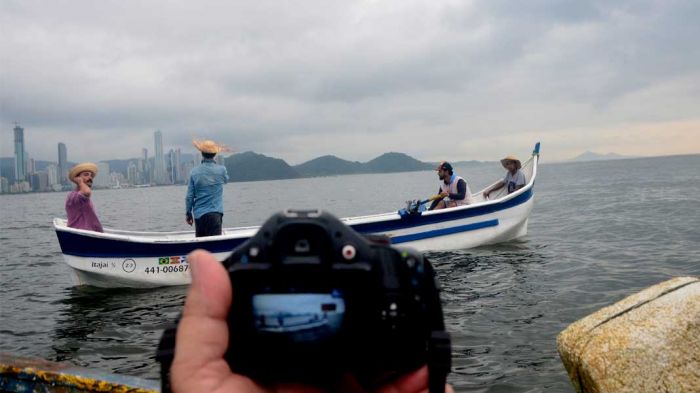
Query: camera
{"x": 315, "y": 301}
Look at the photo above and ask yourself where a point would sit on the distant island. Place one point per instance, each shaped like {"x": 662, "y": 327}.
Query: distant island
{"x": 591, "y": 156}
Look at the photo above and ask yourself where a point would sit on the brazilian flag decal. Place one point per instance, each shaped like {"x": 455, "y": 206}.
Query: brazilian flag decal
{"x": 164, "y": 260}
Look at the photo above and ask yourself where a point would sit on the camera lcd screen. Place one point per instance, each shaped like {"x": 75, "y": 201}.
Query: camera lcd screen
{"x": 299, "y": 316}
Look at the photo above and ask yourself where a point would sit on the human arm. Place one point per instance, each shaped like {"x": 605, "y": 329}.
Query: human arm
{"x": 461, "y": 191}
{"x": 438, "y": 197}
{"x": 83, "y": 188}
{"x": 203, "y": 336}
{"x": 189, "y": 200}
{"x": 493, "y": 188}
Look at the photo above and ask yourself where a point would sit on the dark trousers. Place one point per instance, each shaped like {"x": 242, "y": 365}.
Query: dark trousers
{"x": 208, "y": 225}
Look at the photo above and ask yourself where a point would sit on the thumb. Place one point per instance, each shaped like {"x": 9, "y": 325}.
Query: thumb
{"x": 202, "y": 335}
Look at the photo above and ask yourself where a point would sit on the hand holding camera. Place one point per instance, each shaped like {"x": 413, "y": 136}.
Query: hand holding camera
{"x": 315, "y": 307}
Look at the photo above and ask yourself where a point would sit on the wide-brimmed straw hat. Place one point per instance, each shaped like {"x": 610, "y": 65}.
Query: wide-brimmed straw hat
{"x": 511, "y": 158}
{"x": 80, "y": 168}
{"x": 209, "y": 146}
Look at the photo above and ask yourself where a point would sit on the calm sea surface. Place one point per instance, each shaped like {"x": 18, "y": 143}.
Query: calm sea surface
{"x": 599, "y": 231}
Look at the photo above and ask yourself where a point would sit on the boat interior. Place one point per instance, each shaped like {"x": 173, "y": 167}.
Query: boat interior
{"x": 528, "y": 169}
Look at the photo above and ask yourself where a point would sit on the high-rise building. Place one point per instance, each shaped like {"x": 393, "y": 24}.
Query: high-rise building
{"x": 186, "y": 171}
{"x": 30, "y": 165}
{"x": 53, "y": 172}
{"x": 4, "y": 185}
{"x": 20, "y": 159}
{"x": 178, "y": 166}
{"x": 170, "y": 165}
{"x": 147, "y": 169}
{"x": 103, "y": 178}
{"x": 132, "y": 174}
{"x": 159, "y": 172}
{"x": 39, "y": 181}
{"x": 62, "y": 163}
{"x": 174, "y": 166}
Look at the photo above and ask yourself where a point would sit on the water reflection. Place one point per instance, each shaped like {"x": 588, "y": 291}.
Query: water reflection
{"x": 119, "y": 325}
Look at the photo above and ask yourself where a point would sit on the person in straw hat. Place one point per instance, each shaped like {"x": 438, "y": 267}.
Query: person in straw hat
{"x": 514, "y": 180}
{"x": 79, "y": 208}
{"x": 204, "y": 203}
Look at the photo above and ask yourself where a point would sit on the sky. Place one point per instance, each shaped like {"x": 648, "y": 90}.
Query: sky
{"x": 438, "y": 80}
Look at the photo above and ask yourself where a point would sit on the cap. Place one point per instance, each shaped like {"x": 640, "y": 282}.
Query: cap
{"x": 444, "y": 165}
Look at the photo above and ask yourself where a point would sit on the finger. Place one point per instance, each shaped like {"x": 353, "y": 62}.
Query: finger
{"x": 202, "y": 335}
{"x": 414, "y": 382}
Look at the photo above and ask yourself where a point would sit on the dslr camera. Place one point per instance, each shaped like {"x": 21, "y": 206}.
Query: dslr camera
{"x": 316, "y": 301}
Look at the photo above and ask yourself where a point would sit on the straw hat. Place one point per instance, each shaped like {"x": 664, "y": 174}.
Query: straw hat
{"x": 80, "y": 168}
{"x": 511, "y": 158}
{"x": 209, "y": 146}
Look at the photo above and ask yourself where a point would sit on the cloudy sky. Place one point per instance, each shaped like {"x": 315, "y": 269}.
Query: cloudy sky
{"x": 456, "y": 80}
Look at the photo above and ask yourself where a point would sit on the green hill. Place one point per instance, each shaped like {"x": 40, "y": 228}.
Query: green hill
{"x": 328, "y": 166}
{"x": 395, "y": 162}
{"x": 249, "y": 166}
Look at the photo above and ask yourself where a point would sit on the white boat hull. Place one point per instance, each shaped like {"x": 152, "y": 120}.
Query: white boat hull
{"x": 151, "y": 259}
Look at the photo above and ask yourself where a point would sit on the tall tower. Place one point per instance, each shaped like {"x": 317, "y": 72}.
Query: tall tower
{"x": 147, "y": 169}
{"x": 62, "y": 163}
{"x": 159, "y": 173}
{"x": 178, "y": 166}
{"x": 20, "y": 165}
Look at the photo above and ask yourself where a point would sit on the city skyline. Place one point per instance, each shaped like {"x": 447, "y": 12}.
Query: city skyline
{"x": 26, "y": 177}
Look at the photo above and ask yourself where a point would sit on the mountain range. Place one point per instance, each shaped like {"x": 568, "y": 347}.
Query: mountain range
{"x": 249, "y": 166}
{"x": 591, "y": 156}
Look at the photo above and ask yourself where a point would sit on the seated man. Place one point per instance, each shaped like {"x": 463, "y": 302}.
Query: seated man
{"x": 79, "y": 209}
{"x": 454, "y": 190}
{"x": 515, "y": 179}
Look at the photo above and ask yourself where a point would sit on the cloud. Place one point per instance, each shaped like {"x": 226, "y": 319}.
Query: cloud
{"x": 439, "y": 80}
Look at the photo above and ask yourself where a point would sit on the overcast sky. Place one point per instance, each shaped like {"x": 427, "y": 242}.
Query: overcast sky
{"x": 469, "y": 80}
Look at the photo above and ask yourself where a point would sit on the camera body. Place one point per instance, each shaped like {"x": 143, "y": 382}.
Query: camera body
{"x": 314, "y": 301}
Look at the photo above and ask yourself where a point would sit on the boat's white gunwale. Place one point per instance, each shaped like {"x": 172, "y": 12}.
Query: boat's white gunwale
{"x": 156, "y": 237}
{"x": 395, "y": 216}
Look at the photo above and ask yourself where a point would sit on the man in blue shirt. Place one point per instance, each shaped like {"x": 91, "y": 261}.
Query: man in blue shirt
{"x": 204, "y": 203}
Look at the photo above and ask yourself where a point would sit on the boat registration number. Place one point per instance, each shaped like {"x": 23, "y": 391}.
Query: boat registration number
{"x": 167, "y": 269}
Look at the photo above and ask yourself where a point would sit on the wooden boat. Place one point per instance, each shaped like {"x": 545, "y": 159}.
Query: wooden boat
{"x": 118, "y": 258}
{"x": 18, "y": 374}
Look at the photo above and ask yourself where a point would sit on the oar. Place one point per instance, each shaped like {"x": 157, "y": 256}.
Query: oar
{"x": 432, "y": 198}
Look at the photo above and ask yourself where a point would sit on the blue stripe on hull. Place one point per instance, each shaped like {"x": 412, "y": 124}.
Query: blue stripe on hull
{"x": 446, "y": 217}
{"x": 87, "y": 246}
{"x": 443, "y": 231}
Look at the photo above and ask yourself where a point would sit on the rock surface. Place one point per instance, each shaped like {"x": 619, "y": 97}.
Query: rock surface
{"x": 647, "y": 342}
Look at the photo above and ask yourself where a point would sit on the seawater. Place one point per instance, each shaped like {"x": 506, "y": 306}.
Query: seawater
{"x": 599, "y": 232}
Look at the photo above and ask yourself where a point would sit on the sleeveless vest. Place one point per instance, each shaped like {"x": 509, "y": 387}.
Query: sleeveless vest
{"x": 452, "y": 189}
